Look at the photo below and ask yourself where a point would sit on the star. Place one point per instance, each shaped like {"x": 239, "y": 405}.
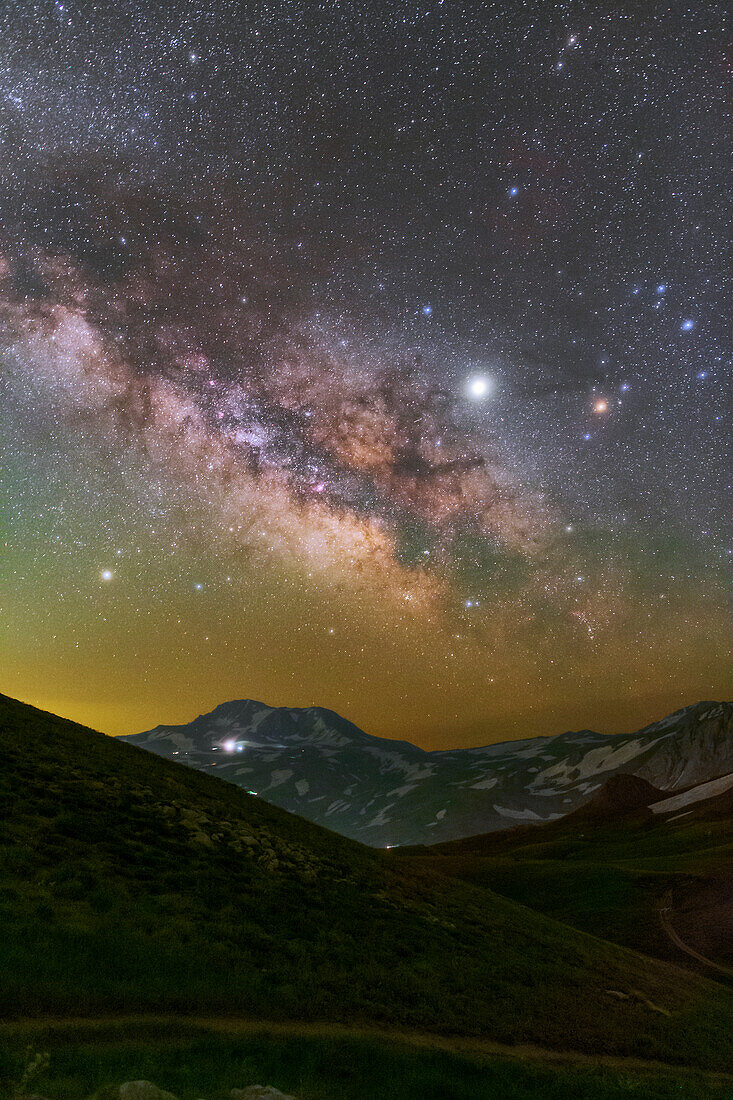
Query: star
{"x": 479, "y": 386}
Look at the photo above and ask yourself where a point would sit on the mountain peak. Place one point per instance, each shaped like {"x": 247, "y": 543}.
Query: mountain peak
{"x": 319, "y": 765}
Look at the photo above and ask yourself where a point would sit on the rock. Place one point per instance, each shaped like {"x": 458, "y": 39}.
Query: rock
{"x": 259, "y": 1092}
{"x": 143, "y": 1090}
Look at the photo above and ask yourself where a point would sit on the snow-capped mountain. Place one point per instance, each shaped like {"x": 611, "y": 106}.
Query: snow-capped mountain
{"x": 316, "y": 764}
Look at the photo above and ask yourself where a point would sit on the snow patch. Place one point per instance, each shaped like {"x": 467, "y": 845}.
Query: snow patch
{"x": 338, "y": 806}
{"x": 604, "y": 758}
{"x": 696, "y": 794}
{"x": 400, "y": 791}
{"x": 518, "y": 815}
{"x": 381, "y": 818}
{"x": 279, "y": 776}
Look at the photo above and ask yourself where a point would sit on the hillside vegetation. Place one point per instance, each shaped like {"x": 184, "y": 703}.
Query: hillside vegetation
{"x": 192, "y": 1060}
{"x": 611, "y": 873}
{"x": 131, "y": 884}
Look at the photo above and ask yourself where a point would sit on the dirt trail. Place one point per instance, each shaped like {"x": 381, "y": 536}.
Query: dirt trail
{"x": 665, "y": 911}
{"x": 130, "y": 1030}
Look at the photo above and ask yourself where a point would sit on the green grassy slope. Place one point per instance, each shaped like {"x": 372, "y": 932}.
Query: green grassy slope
{"x": 130, "y": 884}
{"x": 607, "y": 878}
{"x": 192, "y": 1061}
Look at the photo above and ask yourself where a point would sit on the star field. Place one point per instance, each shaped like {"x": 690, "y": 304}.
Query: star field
{"x": 374, "y": 357}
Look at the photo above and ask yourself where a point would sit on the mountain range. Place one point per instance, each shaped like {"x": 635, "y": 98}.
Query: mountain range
{"x": 384, "y": 793}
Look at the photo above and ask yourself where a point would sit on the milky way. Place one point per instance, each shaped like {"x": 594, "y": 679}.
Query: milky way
{"x": 342, "y": 363}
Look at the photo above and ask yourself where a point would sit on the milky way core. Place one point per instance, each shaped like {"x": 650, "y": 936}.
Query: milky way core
{"x": 369, "y": 364}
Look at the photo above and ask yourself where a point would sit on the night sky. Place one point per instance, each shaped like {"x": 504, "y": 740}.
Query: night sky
{"x": 364, "y": 355}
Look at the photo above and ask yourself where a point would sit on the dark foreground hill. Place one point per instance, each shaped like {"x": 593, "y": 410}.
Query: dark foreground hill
{"x": 131, "y": 884}
{"x": 314, "y": 763}
{"x": 620, "y": 796}
{"x": 648, "y": 870}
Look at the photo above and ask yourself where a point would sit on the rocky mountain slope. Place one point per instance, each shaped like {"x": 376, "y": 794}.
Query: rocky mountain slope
{"x": 316, "y": 764}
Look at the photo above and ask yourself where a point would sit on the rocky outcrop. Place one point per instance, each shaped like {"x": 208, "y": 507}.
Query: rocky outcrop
{"x": 146, "y": 1090}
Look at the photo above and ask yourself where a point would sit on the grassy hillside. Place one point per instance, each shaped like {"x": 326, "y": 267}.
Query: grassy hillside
{"x": 192, "y": 1060}
{"x": 132, "y": 884}
{"x": 611, "y": 877}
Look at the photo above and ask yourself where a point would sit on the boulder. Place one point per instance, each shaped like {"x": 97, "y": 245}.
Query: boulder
{"x": 143, "y": 1090}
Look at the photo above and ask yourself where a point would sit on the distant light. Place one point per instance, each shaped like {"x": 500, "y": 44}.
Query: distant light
{"x": 479, "y": 386}
{"x": 587, "y": 436}
{"x": 601, "y": 406}
{"x": 107, "y": 574}
{"x": 230, "y": 745}
{"x": 198, "y": 587}
{"x": 624, "y": 387}
{"x": 662, "y": 289}
{"x": 427, "y": 310}
{"x": 688, "y": 326}
{"x": 513, "y": 191}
